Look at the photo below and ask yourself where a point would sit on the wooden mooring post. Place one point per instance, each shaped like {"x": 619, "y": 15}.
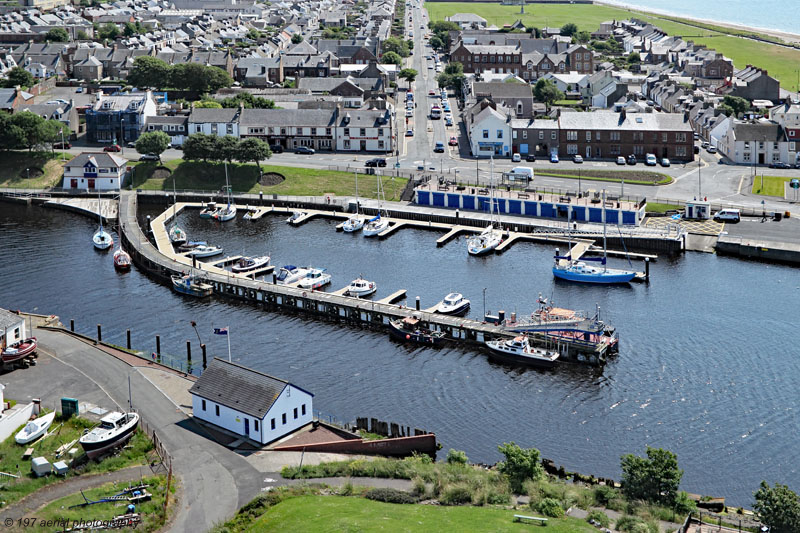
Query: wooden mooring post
{"x": 128, "y": 339}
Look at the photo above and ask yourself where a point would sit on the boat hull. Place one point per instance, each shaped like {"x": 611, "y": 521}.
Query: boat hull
{"x": 457, "y": 311}
{"x": 421, "y": 337}
{"x": 19, "y": 350}
{"x": 361, "y": 293}
{"x": 179, "y": 286}
{"x": 518, "y": 360}
{"x": 373, "y": 230}
{"x": 99, "y": 448}
{"x": 255, "y": 266}
{"x": 605, "y": 278}
{"x": 42, "y": 423}
{"x": 205, "y": 253}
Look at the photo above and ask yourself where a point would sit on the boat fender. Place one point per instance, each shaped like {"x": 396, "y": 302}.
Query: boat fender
{"x": 304, "y": 294}
{"x": 408, "y": 337}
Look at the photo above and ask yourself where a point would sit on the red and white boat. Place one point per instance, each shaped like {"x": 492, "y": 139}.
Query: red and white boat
{"x": 19, "y": 350}
{"x": 122, "y": 260}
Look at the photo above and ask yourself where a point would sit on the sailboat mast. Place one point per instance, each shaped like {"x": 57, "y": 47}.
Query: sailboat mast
{"x": 356, "y": 174}
{"x": 491, "y": 191}
{"x": 605, "y": 249}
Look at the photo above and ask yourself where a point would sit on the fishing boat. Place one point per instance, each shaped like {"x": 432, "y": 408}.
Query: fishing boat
{"x": 409, "y": 329}
{"x": 191, "y": 286}
{"x": 209, "y": 210}
{"x": 295, "y": 216}
{"x": 122, "y": 260}
{"x": 380, "y": 222}
{"x": 571, "y": 270}
{"x": 453, "y": 304}
{"x": 491, "y": 237}
{"x": 176, "y": 234}
{"x": 518, "y": 351}
{"x": 101, "y": 239}
{"x": 361, "y": 288}
{"x": 315, "y": 279}
{"x": 19, "y": 350}
{"x": 246, "y": 264}
{"x": 114, "y": 430}
{"x": 290, "y": 274}
{"x": 204, "y": 250}
{"x": 356, "y": 221}
{"x": 35, "y": 429}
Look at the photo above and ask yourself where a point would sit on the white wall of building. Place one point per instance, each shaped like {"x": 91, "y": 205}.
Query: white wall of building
{"x": 490, "y": 130}
{"x": 375, "y": 139}
{"x": 108, "y": 180}
{"x": 215, "y": 128}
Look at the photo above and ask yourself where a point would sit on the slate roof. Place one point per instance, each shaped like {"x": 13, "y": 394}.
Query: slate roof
{"x": 207, "y": 115}
{"x": 318, "y": 118}
{"x": 502, "y": 90}
{"x": 759, "y": 132}
{"x": 101, "y": 160}
{"x": 9, "y": 319}
{"x": 601, "y": 120}
{"x": 240, "y": 388}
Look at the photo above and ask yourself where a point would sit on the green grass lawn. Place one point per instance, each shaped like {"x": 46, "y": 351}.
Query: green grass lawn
{"x": 773, "y": 185}
{"x": 656, "y": 207}
{"x": 12, "y": 490}
{"x": 779, "y": 61}
{"x": 152, "y": 511}
{"x": 14, "y": 173}
{"x": 198, "y": 175}
{"x": 312, "y": 514}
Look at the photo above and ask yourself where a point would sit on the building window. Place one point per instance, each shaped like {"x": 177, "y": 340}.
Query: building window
{"x": 494, "y": 59}
{"x": 303, "y": 409}
{"x": 380, "y": 132}
{"x": 347, "y": 132}
{"x": 680, "y": 151}
{"x": 327, "y": 131}
{"x": 572, "y": 149}
{"x": 380, "y": 145}
{"x": 663, "y": 137}
{"x": 614, "y": 135}
{"x": 347, "y": 143}
{"x": 295, "y": 413}
{"x": 745, "y": 157}
{"x": 524, "y": 134}
{"x": 553, "y": 135}
{"x": 776, "y": 156}
{"x": 272, "y": 423}
{"x": 572, "y": 135}
{"x": 680, "y": 137}
{"x": 255, "y": 425}
{"x": 792, "y": 146}
{"x": 746, "y": 146}
{"x": 614, "y": 149}
{"x": 283, "y": 418}
{"x": 485, "y": 134}
{"x": 313, "y": 131}
{"x": 638, "y": 150}
{"x": 216, "y": 409}
{"x": 499, "y": 134}
{"x": 362, "y": 132}
{"x": 203, "y": 404}
{"x": 588, "y": 136}
{"x": 587, "y": 55}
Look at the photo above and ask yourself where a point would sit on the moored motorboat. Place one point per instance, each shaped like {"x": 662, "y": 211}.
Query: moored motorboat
{"x": 295, "y": 216}
{"x": 114, "y": 430}
{"x": 375, "y": 226}
{"x": 191, "y": 286}
{"x": 518, "y": 351}
{"x": 246, "y": 264}
{"x": 290, "y": 274}
{"x": 209, "y": 210}
{"x": 361, "y": 288}
{"x": 453, "y": 304}
{"x": 315, "y": 279}
{"x": 410, "y": 329}
{"x": 19, "y": 350}
{"x": 251, "y": 214}
{"x": 204, "y": 250}
{"x": 35, "y": 429}
{"x": 177, "y": 235}
{"x": 191, "y": 245}
{"x": 122, "y": 260}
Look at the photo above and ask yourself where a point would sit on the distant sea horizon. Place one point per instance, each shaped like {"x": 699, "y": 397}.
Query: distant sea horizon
{"x": 763, "y": 15}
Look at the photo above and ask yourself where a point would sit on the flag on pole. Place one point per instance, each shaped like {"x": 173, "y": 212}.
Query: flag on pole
{"x": 220, "y": 331}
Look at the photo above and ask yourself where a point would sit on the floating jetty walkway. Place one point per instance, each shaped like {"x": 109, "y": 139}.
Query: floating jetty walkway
{"x": 161, "y": 261}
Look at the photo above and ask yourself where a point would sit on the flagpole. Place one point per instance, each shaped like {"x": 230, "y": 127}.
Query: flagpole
{"x": 229, "y": 343}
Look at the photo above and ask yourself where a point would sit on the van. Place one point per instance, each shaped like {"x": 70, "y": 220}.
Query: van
{"x": 728, "y": 215}
{"x": 650, "y": 160}
{"x": 521, "y": 173}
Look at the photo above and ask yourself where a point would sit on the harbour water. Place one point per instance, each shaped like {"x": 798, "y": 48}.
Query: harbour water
{"x": 708, "y": 364}
{"x": 767, "y": 14}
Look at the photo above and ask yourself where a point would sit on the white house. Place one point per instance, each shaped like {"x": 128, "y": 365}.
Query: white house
{"x": 214, "y": 121}
{"x": 95, "y": 171}
{"x": 249, "y": 403}
{"x": 489, "y": 130}
{"x": 12, "y": 329}
{"x": 364, "y": 130}
{"x": 755, "y": 143}
{"x": 568, "y": 82}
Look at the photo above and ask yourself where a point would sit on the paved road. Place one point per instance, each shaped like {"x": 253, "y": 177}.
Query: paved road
{"x": 215, "y": 482}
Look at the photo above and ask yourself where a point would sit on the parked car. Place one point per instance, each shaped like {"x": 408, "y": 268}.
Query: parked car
{"x": 631, "y": 159}
{"x": 711, "y": 149}
{"x": 665, "y": 162}
{"x": 304, "y": 150}
{"x": 79, "y": 90}
{"x": 794, "y": 183}
{"x": 149, "y": 157}
{"x": 448, "y": 121}
{"x": 696, "y": 136}
{"x": 516, "y": 158}
{"x": 439, "y": 148}
{"x": 530, "y": 158}
{"x": 409, "y": 132}
{"x": 431, "y": 93}
{"x": 112, "y": 148}
{"x": 780, "y": 164}
{"x": 409, "y": 113}
{"x": 61, "y": 145}
{"x": 376, "y": 162}
{"x": 577, "y": 159}
{"x": 276, "y": 148}
{"x": 554, "y": 157}
{"x": 130, "y": 144}
{"x": 705, "y": 144}
{"x": 620, "y": 160}
{"x": 453, "y": 141}
{"x": 729, "y": 215}
{"x": 650, "y": 160}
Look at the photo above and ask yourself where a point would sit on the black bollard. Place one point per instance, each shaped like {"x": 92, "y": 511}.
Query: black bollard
{"x": 189, "y": 351}
{"x": 260, "y": 197}
{"x": 128, "y": 338}
{"x": 274, "y": 278}
{"x": 502, "y": 316}
{"x": 417, "y": 303}
{"x": 194, "y": 261}
{"x": 158, "y": 345}
{"x": 99, "y": 333}
{"x": 72, "y": 324}
{"x": 203, "y": 350}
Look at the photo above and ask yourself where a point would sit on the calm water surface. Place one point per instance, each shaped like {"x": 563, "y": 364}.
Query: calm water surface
{"x": 708, "y": 366}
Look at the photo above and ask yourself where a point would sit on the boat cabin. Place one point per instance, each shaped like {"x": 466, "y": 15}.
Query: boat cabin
{"x": 12, "y": 328}
{"x": 249, "y": 403}
{"x": 113, "y": 420}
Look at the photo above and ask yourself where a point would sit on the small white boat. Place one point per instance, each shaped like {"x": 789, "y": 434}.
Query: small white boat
{"x": 246, "y": 264}
{"x": 204, "y": 250}
{"x": 375, "y": 226}
{"x": 295, "y": 215}
{"x": 177, "y": 235}
{"x": 316, "y": 278}
{"x": 209, "y": 210}
{"x": 361, "y": 287}
{"x": 251, "y": 214}
{"x": 290, "y": 274}
{"x": 226, "y": 213}
{"x": 352, "y": 224}
{"x": 102, "y": 240}
{"x": 35, "y": 429}
{"x": 453, "y": 304}
{"x": 122, "y": 260}
{"x": 518, "y": 351}
{"x": 485, "y": 242}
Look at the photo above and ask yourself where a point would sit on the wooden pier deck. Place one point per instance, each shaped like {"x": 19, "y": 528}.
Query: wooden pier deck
{"x": 396, "y": 296}
{"x": 226, "y": 261}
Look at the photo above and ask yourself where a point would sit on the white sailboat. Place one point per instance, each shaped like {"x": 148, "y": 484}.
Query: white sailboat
{"x": 176, "y": 234}
{"x": 378, "y": 223}
{"x": 101, "y": 239}
{"x": 355, "y": 222}
{"x": 229, "y": 211}
{"x": 487, "y": 240}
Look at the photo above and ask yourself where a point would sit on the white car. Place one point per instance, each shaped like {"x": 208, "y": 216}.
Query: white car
{"x": 409, "y": 113}
{"x": 516, "y": 158}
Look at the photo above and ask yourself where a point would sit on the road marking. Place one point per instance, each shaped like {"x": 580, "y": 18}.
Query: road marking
{"x": 739, "y": 190}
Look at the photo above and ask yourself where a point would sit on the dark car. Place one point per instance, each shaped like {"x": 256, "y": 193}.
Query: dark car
{"x": 62, "y": 145}
{"x": 377, "y": 162}
{"x": 631, "y": 159}
{"x": 276, "y": 148}
{"x": 696, "y": 149}
{"x": 530, "y": 158}
{"x": 780, "y": 164}
{"x": 304, "y": 150}
{"x": 149, "y": 157}
{"x": 439, "y": 148}
{"x": 112, "y": 148}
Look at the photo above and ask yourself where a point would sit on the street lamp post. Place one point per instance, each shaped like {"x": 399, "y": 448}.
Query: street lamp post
{"x": 122, "y": 135}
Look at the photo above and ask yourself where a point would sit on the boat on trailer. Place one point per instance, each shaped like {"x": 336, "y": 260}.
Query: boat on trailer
{"x": 19, "y": 350}
{"x": 35, "y": 429}
{"x": 114, "y": 430}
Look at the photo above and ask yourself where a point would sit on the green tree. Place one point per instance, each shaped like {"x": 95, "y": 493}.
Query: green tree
{"x": 149, "y": 72}
{"x": 108, "y": 31}
{"x": 35, "y": 131}
{"x": 725, "y": 109}
{"x": 778, "y": 508}
{"x": 457, "y": 457}
{"x": 443, "y": 25}
{"x": 655, "y": 478}
{"x": 391, "y": 58}
{"x": 57, "y": 35}
{"x": 396, "y": 45}
{"x": 153, "y": 142}
{"x": 297, "y": 38}
{"x": 253, "y": 34}
{"x": 536, "y": 32}
{"x": 129, "y": 30}
{"x": 199, "y": 78}
{"x": 634, "y": 57}
{"x": 436, "y": 43}
{"x": 410, "y": 44}
{"x": 452, "y": 77}
{"x": 520, "y": 465}
{"x": 207, "y": 104}
{"x": 408, "y": 74}
{"x": 225, "y": 148}
{"x": 82, "y": 36}
{"x": 737, "y": 103}
{"x": 199, "y": 146}
{"x": 569, "y": 29}
{"x": 18, "y": 76}
{"x": 582, "y": 37}
{"x": 248, "y": 101}
{"x": 547, "y": 92}
{"x": 252, "y": 149}
{"x": 11, "y": 135}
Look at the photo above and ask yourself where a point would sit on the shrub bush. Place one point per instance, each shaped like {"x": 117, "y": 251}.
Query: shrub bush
{"x": 599, "y": 517}
{"x": 346, "y": 489}
{"x": 457, "y": 457}
{"x": 456, "y": 495}
{"x": 634, "y": 524}
{"x": 419, "y": 487}
{"x": 550, "y": 507}
{"x": 388, "y": 495}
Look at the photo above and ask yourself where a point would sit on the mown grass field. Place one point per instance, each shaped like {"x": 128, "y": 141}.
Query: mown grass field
{"x": 207, "y": 176}
{"x": 13, "y": 171}
{"x": 772, "y": 185}
{"x": 657, "y": 207}
{"x": 781, "y": 62}
{"x": 312, "y": 514}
